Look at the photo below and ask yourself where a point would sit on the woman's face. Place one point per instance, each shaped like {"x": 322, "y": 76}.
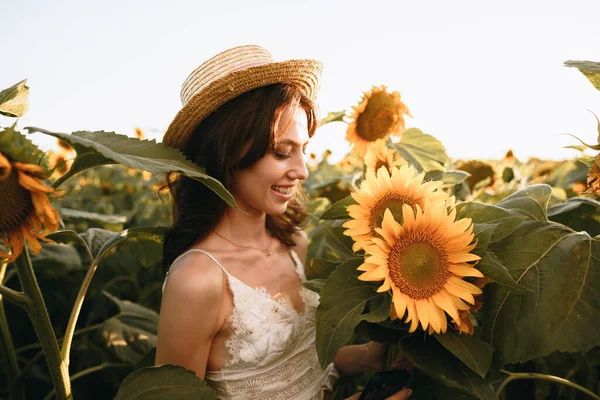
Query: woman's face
{"x": 267, "y": 186}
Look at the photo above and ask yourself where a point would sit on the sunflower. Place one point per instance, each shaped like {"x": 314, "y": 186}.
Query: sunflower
{"x": 26, "y": 208}
{"x": 422, "y": 262}
{"x": 381, "y": 191}
{"x": 378, "y": 115}
{"x": 379, "y": 155}
{"x": 466, "y": 325}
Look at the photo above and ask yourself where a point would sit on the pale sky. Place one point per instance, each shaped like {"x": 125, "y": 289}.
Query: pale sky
{"x": 481, "y": 76}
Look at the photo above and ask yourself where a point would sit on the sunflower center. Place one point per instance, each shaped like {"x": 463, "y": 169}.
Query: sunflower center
{"x": 16, "y": 205}
{"x": 379, "y": 118}
{"x": 394, "y": 202}
{"x": 418, "y": 265}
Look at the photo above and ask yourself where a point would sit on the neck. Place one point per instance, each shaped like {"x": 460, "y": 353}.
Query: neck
{"x": 244, "y": 229}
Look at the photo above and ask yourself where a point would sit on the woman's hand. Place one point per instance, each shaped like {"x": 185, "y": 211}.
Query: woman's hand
{"x": 401, "y": 395}
{"x": 376, "y": 354}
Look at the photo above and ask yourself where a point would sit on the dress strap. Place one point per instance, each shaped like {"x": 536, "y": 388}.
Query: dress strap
{"x": 200, "y": 251}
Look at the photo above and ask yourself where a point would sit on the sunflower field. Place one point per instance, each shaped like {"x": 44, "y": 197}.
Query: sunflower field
{"x": 485, "y": 275}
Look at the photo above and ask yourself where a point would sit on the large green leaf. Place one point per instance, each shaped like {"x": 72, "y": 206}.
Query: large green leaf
{"x": 130, "y": 334}
{"x": 343, "y": 301}
{"x": 17, "y": 147}
{"x": 590, "y": 69}
{"x": 338, "y": 243}
{"x": 57, "y": 260}
{"x": 338, "y": 209}
{"x": 506, "y": 220}
{"x": 146, "y": 155}
{"x": 320, "y": 268}
{"x": 166, "y": 382}
{"x": 430, "y": 356}
{"x": 14, "y": 101}
{"x": 492, "y": 267}
{"x": 422, "y": 151}
{"x": 561, "y": 268}
{"x": 578, "y": 213}
{"x": 474, "y": 353}
{"x": 450, "y": 177}
{"x": 70, "y": 213}
{"x": 531, "y": 202}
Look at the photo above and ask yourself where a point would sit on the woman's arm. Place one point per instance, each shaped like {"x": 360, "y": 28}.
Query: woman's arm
{"x": 189, "y": 314}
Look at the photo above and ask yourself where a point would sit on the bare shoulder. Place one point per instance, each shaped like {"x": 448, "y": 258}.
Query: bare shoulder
{"x": 301, "y": 248}
{"x": 196, "y": 278}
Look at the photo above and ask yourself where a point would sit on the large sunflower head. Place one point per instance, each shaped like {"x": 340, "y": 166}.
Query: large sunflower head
{"x": 25, "y": 209}
{"x": 380, "y": 155}
{"x": 379, "y": 115}
{"x": 382, "y": 191}
{"x": 423, "y": 262}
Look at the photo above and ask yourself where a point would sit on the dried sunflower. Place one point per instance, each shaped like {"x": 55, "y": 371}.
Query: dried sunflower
{"x": 379, "y": 115}
{"x": 423, "y": 262}
{"x": 380, "y": 155}
{"x": 26, "y": 208}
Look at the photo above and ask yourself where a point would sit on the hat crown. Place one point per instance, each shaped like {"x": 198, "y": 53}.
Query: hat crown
{"x": 223, "y": 64}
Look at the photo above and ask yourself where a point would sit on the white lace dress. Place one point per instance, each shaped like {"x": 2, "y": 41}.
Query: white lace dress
{"x": 272, "y": 348}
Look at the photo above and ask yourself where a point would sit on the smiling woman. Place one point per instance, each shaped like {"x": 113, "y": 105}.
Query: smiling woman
{"x": 232, "y": 309}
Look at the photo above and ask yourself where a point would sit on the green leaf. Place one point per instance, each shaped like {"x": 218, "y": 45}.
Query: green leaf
{"x": 483, "y": 235}
{"x": 492, "y": 267}
{"x": 314, "y": 284}
{"x": 343, "y": 301}
{"x": 145, "y": 155}
{"x": 338, "y": 209}
{"x": 450, "y": 177}
{"x": 17, "y": 147}
{"x": 561, "y": 268}
{"x": 57, "y": 260}
{"x": 428, "y": 355}
{"x": 70, "y": 213}
{"x": 320, "y": 268}
{"x": 531, "y": 202}
{"x": 422, "y": 151}
{"x": 167, "y": 382}
{"x": 130, "y": 334}
{"x": 474, "y": 353}
{"x": 506, "y": 220}
{"x": 578, "y": 213}
{"x": 590, "y": 69}
{"x": 338, "y": 243}
{"x": 333, "y": 117}
{"x": 14, "y": 101}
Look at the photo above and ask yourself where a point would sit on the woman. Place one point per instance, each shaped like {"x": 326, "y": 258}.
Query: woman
{"x": 232, "y": 309}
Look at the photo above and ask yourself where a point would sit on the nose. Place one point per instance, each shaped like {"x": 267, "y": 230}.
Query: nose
{"x": 299, "y": 170}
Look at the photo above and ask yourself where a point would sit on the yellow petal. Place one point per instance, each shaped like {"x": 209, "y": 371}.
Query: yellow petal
{"x": 462, "y": 257}
{"x": 464, "y": 270}
{"x": 442, "y": 300}
{"x": 6, "y": 167}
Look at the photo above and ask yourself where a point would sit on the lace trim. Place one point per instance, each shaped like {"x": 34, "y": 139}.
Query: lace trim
{"x": 267, "y": 309}
{"x": 276, "y": 382}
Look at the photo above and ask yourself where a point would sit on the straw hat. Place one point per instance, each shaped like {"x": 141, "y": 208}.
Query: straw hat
{"x": 230, "y": 74}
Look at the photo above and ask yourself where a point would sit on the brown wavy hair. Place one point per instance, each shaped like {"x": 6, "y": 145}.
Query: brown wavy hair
{"x": 234, "y": 137}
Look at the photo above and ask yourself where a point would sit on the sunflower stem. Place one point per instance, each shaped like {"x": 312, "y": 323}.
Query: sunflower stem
{"x": 38, "y": 313}
{"x": 531, "y": 375}
{"x": 18, "y": 298}
{"x": 16, "y": 390}
{"x": 70, "y": 330}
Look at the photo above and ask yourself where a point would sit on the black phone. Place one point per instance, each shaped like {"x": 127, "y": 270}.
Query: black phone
{"x": 384, "y": 384}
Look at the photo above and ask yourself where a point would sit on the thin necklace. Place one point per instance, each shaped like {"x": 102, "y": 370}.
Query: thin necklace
{"x": 266, "y": 251}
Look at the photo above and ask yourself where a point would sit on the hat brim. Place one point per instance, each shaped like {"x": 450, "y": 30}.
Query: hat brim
{"x": 305, "y": 74}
